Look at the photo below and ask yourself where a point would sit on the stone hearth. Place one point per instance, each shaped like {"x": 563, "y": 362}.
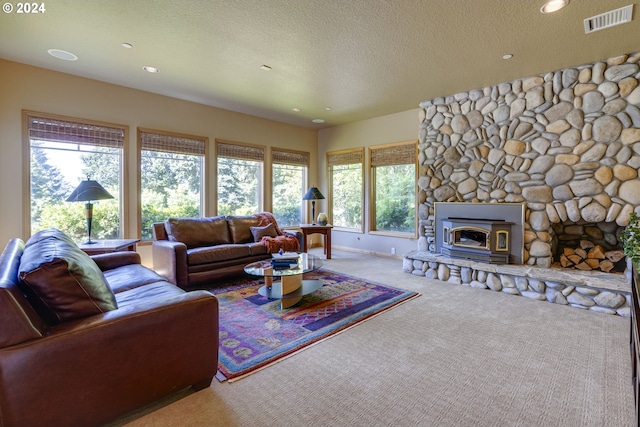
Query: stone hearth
{"x": 566, "y": 143}
{"x": 590, "y": 290}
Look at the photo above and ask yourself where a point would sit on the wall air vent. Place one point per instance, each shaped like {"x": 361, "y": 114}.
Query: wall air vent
{"x": 608, "y": 19}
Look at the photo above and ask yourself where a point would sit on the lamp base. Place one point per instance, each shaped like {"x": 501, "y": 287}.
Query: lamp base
{"x": 89, "y": 242}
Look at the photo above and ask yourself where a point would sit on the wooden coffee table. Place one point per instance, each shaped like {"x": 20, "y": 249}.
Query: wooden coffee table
{"x": 291, "y": 287}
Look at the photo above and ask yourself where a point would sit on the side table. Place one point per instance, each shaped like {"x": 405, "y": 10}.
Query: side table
{"x": 109, "y": 245}
{"x": 308, "y": 229}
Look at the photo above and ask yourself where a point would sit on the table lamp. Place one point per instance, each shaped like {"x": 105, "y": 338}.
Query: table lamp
{"x": 313, "y": 194}
{"x": 86, "y": 192}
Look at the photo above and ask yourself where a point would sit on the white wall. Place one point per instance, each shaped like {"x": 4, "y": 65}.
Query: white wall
{"x": 24, "y": 87}
{"x": 380, "y": 130}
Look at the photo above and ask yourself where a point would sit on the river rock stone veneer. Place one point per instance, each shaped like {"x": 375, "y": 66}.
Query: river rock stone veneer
{"x": 567, "y": 143}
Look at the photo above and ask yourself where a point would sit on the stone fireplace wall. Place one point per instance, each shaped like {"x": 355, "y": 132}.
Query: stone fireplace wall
{"x": 567, "y": 143}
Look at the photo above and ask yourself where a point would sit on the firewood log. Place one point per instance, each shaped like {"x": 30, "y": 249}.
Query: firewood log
{"x": 575, "y": 258}
{"x": 614, "y": 256}
{"x": 596, "y": 252}
{"x": 606, "y": 266}
{"x": 581, "y": 252}
{"x": 586, "y": 244}
{"x": 583, "y": 266}
{"x": 594, "y": 263}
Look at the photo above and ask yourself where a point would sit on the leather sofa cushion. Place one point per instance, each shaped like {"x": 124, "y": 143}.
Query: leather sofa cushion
{"x": 218, "y": 253}
{"x": 130, "y": 276}
{"x": 268, "y": 230}
{"x": 240, "y": 227}
{"x": 142, "y": 295}
{"x": 198, "y": 232}
{"x": 61, "y": 281}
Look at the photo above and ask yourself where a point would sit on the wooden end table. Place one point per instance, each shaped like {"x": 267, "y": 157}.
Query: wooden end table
{"x": 109, "y": 245}
{"x": 308, "y": 229}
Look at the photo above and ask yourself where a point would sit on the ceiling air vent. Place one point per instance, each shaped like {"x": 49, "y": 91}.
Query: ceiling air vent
{"x": 608, "y": 19}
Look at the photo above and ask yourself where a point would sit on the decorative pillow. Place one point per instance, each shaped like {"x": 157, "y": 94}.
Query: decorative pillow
{"x": 268, "y": 230}
{"x": 61, "y": 281}
{"x": 198, "y": 232}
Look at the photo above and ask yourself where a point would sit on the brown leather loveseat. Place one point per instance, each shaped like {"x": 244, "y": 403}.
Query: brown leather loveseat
{"x": 195, "y": 251}
{"x": 87, "y": 339}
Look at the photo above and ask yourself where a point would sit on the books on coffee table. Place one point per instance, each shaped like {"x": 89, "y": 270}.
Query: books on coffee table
{"x": 290, "y": 257}
{"x": 284, "y": 260}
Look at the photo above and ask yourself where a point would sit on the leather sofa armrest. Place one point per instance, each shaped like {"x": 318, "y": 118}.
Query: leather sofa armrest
{"x": 298, "y": 235}
{"x": 170, "y": 261}
{"x": 111, "y": 363}
{"x": 113, "y": 260}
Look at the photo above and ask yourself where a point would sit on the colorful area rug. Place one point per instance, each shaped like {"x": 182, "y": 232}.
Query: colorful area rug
{"x": 255, "y": 333}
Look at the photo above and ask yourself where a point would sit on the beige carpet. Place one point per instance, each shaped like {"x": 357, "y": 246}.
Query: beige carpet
{"x": 456, "y": 356}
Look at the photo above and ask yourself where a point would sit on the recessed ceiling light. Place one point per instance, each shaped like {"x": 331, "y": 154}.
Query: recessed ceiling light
{"x": 553, "y": 6}
{"x": 127, "y": 45}
{"x": 327, "y": 108}
{"x": 149, "y": 69}
{"x": 265, "y": 67}
{"x": 507, "y": 56}
{"x": 62, "y": 54}
{"x": 296, "y": 110}
{"x": 317, "y": 121}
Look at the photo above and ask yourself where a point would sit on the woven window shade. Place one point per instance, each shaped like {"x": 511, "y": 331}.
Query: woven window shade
{"x": 345, "y": 158}
{"x": 290, "y": 157}
{"x": 55, "y": 130}
{"x": 242, "y": 152}
{"x": 172, "y": 144}
{"x": 393, "y": 155}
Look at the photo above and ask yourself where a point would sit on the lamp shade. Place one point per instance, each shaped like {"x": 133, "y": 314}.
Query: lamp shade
{"x": 89, "y": 190}
{"x": 313, "y": 194}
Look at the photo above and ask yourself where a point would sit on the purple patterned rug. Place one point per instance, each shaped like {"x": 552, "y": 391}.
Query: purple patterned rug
{"x": 255, "y": 333}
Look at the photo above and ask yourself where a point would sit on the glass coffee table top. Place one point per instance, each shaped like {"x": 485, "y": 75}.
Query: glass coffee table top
{"x": 306, "y": 264}
{"x": 291, "y": 288}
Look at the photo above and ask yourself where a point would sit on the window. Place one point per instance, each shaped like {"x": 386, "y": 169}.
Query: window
{"x": 240, "y": 178}
{"x": 393, "y": 188}
{"x": 62, "y": 153}
{"x": 171, "y": 177}
{"x": 289, "y": 174}
{"x": 346, "y": 188}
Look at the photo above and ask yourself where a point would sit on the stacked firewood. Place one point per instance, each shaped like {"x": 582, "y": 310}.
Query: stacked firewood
{"x": 590, "y": 256}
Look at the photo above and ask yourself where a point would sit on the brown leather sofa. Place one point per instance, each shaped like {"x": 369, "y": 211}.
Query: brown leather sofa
{"x": 192, "y": 252}
{"x": 87, "y": 339}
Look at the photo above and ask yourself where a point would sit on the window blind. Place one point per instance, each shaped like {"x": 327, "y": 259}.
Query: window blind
{"x": 56, "y": 130}
{"x": 345, "y": 158}
{"x": 242, "y": 152}
{"x": 295, "y": 158}
{"x": 172, "y": 143}
{"x": 393, "y": 155}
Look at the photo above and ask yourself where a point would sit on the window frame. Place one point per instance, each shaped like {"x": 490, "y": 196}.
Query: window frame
{"x": 372, "y": 186}
{"x": 331, "y": 158}
{"x": 123, "y": 209}
{"x": 204, "y": 175}
{"x": 305, "y": 160}
{"x": 242, "y": 149}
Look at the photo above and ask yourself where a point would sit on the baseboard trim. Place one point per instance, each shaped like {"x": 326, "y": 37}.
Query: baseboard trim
{"x": 366, "y": 252}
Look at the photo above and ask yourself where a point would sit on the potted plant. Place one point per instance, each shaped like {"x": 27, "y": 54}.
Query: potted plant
{"x": 631, "y": 239}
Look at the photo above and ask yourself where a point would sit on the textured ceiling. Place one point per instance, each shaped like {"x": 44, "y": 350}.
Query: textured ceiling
{"x": 361, "y": 58}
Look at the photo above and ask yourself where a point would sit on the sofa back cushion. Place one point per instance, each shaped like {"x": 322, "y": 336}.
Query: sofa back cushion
{"x": 240, "y": 227}
{"x": 61, "y": 281}
{"x": 198, "y": 232}
{"x": 19, "y": 321}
